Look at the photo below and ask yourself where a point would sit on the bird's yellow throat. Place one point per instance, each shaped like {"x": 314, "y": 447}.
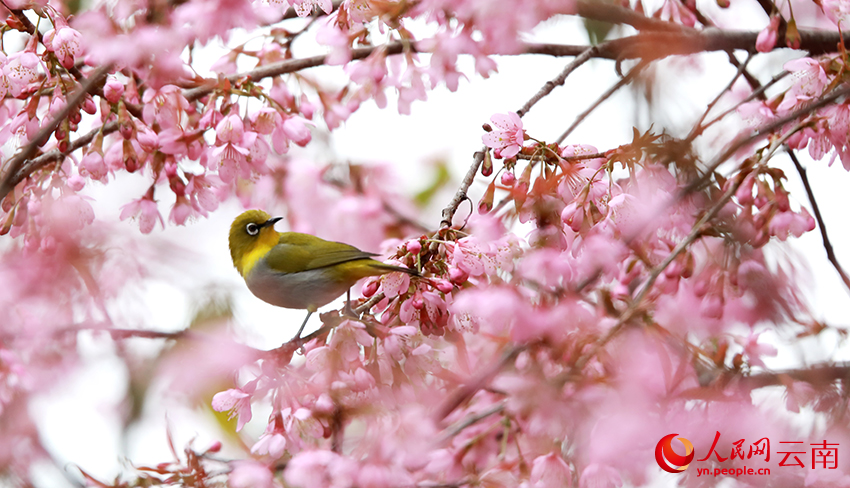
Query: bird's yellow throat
{"x": 267, "y": 239}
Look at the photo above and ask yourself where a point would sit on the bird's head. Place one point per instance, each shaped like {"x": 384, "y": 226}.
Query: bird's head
{"x": 252, "y": 235}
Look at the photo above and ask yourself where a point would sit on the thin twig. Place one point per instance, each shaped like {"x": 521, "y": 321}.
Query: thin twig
{"x": 466, "y": 391}
{"x": 558, "y": 80}
{"x": 449, "y": 212}
{"x": 620, "y": 83}
{"x": 43, "y": 134}
{"x": 698, "y": 129}
{"x": 635, "y": 304}
{"x": 756, "y": 94}
{"x": 696, "y": 231}
{"x": 462, "y": 424}
{"x": 460, "y": 195}
{"x": 827, "y": 245}
{"x": 759, "y": 133}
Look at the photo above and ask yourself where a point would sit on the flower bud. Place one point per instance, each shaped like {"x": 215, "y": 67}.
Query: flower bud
{"x": 369, "y": 288}
{"x": 413, "y": 247}
{"x": 127, "y": 130}
{"x": 458, "y": 276}
{"x": 508, "y": 178}
{"x": 444, "y": 286}
{"x": 487, "y": 165}
{"x": 113, "y": 90}
{"x": 89, "y": 106}
{"x": 76, "y": 182}
{"x": 486, "y": 203}
{"x": 792, "y": 35}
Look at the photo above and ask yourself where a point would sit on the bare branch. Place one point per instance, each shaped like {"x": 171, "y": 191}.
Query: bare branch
{"x": 698, "y": 128}
{"x": 466, "y": 391}
{"x": 827, "y": 245}
{"x": 620, "y": 83}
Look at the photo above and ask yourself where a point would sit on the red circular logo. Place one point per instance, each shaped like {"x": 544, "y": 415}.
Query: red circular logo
{"x": 666, "y": 456}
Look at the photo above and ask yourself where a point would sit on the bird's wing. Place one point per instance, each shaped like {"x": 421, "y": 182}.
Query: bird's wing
{"x": 302, "y": 252}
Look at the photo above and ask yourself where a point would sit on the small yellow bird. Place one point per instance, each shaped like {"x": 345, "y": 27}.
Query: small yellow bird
{"x": 293, "y": 270}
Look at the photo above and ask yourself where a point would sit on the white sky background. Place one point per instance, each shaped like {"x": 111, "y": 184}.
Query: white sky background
{"x": 78, "y": 419}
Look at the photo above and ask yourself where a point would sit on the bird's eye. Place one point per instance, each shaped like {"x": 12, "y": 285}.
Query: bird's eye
{"x": 252, "y": 229}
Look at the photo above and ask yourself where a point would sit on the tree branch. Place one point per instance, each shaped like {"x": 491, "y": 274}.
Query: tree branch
{"x": 646, "y": 46}
{"x": 620, "y": 83}
{"x": 10, "y": 177}
{"x": 827, "y": 245}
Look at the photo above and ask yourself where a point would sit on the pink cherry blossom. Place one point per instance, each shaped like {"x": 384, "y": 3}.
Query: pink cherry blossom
{"x": 145, "y": 210}
{"x": 65, "y": 42}
{"x": 507, "y": 136}
{"x": 767, "y": 38}
{"x": 305, "y": 7}
{"x": 809, "y": 82}
{"x": 236, "y": 400}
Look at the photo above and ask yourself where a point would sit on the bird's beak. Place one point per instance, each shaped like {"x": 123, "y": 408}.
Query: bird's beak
{"x": 271, "y": 222}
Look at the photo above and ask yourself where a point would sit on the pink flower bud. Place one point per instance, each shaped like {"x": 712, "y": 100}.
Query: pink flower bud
{"x": 56, "y": 105}
{"x": 126, "y": 129}
{"x": 297, "y": 131}
{"x": 89, "y": 106}
{"x": 573, "y": 216}
{"x": 744, "y": 194}
{"x": 458, "y": 276}
{"x": 508, "y": 178}
{"x": 76, "y": 182}
{"x": 444, "y": 286}
{"x": 413, "y": 247}
{"x": 113, "y": 90}
{"x": 766, "y": 39}
{"x": 94, "y": 165}
{"x": 369, "y": 288}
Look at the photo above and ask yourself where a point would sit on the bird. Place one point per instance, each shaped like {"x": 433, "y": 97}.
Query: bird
{"x": 295, "y": 270}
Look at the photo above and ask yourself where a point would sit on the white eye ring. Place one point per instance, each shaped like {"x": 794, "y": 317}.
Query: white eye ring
{"x": 252, "y": 229}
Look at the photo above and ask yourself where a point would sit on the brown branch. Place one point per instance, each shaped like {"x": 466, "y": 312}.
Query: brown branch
{"x": 698, "y": 128}
{"x": 816, "y": 375}
{"x": 759, "y": 93}
{"x": 15, "y": 163}
{"x": 336, "y": 429}
{"x": 657, "y": 45}
{"x": 466, "y": 391}
{"x": 759, "y": 133}
{"x": 620, "y": 83}
{"x": 460, "y": 195}
{"x": 827, "y": 245}
{"x": 449, "y": 212}
{"x": 615, "y": 14}
{"x": 462, "y": 424}
{"x": 291, "y": 66}
{"x": 558, "y": 80}
{"x": 646, "y": 46}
